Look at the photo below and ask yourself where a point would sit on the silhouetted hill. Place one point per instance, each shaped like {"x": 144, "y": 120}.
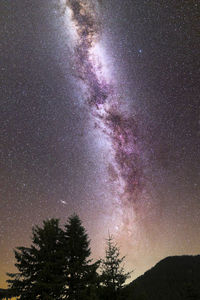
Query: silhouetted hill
{"x": 173, "y": 278}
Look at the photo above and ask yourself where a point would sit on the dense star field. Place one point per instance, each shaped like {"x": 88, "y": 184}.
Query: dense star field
{"x": 100, "y": 115}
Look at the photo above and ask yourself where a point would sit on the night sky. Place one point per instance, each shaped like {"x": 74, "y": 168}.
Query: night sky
{"x": 100, "y": 115}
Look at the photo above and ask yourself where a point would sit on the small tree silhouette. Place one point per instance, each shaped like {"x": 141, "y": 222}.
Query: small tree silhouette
{"x": 113, "y": 274}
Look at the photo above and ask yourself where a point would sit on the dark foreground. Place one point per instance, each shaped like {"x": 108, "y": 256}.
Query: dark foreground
{"x": 174, "y": 278}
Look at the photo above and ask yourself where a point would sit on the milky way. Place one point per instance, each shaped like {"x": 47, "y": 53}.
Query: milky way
{"x": 101, "y": 98}
{"x": 100, "y": 116}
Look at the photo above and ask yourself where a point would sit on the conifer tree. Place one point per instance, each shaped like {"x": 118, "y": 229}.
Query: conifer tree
{"x": 113, "y": 275}
{"x": 41, "y": 272}
{"x": 80, "y": 273}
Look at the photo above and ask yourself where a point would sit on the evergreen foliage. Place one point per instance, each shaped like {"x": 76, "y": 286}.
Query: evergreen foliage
{"x": 40, "y": 267}
{"x": 113, "y": 274}
{"x": 80, "y": 273}
{"x": 58, "y": 266}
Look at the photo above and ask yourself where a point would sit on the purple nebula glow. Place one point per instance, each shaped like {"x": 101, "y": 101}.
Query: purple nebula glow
{"x": 121, "y": 130}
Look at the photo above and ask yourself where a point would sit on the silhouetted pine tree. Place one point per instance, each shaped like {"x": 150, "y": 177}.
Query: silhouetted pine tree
{"x": 40, "y": 267}
{"x": 90, "y": 293}
{"x": 113, "y": 274}
{"x": 80, "y": 273}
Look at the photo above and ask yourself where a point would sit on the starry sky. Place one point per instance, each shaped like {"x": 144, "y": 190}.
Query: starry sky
{"x": 100, "y": 115}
